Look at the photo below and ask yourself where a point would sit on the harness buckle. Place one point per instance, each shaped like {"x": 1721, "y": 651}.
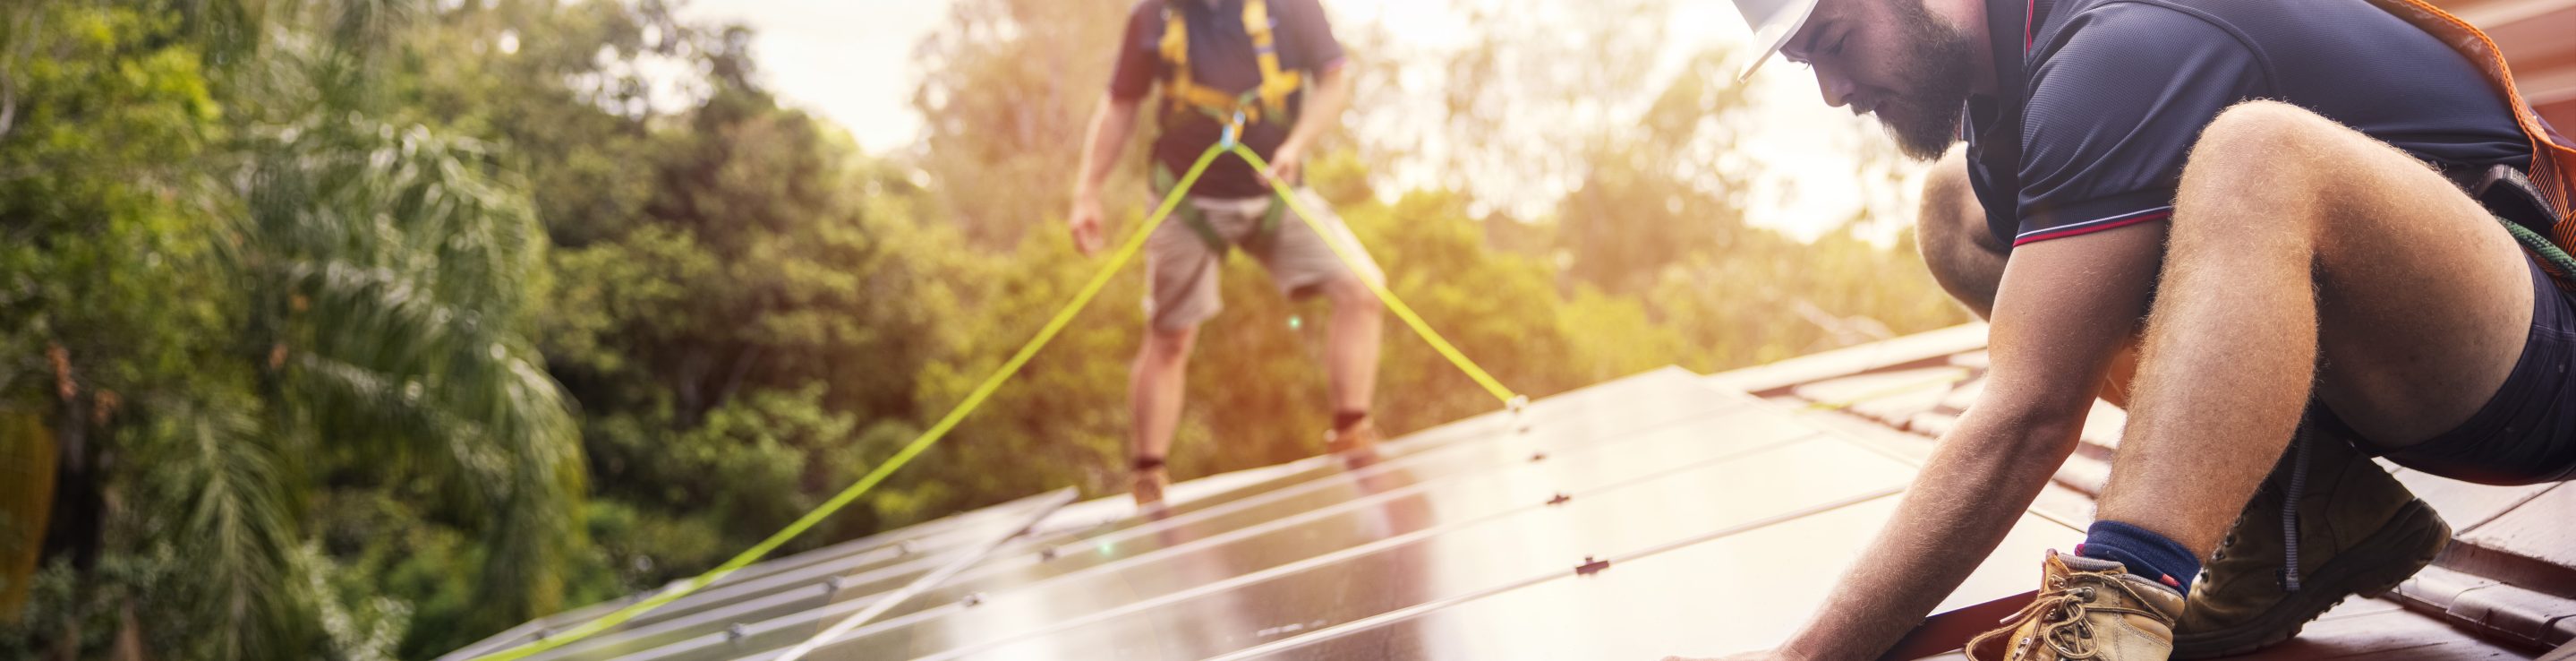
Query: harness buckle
{"x": 1233, "y": 130}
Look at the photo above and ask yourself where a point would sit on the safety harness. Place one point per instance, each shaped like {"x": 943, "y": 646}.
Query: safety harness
{"x": 1184, "y": 93}
{"x": 1267, "y": 102}
{"x": 2551, "y": 179}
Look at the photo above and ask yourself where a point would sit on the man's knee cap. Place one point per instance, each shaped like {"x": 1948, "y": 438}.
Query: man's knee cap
{"x": 1167, "y": 344}
{"x": 1948, "y": 210}
{"x": 1351, "y": 294}
{"x": 2257, "y": 129}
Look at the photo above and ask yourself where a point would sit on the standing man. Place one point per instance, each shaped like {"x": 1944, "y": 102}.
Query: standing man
{"x": 2285, "y": 216}
{"x": 1270, "y": 74}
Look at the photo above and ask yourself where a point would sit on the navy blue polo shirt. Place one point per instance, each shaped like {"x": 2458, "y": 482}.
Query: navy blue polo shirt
{"x": 2109, "y": 96}
{"x": 1221, "y": 58}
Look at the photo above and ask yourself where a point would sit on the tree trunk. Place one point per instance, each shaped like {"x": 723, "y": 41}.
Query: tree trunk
{"x": 27, "y": 466}
{"x": 75, "y": 526}
{"x": 129, "y": 635}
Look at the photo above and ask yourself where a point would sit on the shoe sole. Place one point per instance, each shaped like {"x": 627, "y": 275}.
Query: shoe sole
{"x": 2372, "y": 569}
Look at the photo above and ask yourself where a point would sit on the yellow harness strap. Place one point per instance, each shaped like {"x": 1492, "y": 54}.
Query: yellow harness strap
{"x": 1184, "y": 92}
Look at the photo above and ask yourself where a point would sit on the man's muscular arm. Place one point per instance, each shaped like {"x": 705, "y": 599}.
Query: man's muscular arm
{"x": 2064, "y": 309}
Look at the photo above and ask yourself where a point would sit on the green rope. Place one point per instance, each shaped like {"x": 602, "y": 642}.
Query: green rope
{"x": 973, "y": 399}
{"x": 2540, "y": 245}
{"x": 1126, "y": 252}
{"x": 1402, "y": 311}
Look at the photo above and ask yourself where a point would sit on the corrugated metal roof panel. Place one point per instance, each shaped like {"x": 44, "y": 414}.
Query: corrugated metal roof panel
{"x": 1717, "y": 519}
{"x": 1684, "y": 488}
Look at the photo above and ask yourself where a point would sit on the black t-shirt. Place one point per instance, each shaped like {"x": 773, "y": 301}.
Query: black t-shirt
{"x": 1221, "y": 58}
{"x": 2111, "y": 95}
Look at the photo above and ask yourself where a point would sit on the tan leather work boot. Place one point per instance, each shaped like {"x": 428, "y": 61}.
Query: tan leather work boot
{"x": 2359, "y": 532}
{"x": 1148, "y": 482}
{"x": 2087, "y": 609}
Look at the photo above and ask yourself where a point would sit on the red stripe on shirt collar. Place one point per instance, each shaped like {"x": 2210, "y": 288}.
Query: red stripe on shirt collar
{"x": 2027, "y": 17}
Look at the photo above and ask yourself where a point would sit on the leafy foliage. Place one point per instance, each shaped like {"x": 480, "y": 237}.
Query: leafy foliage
{"x": 237, "y": 312}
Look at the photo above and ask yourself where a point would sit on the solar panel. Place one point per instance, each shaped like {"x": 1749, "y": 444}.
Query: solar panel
{"x": 1712, "y": 521}
{"x": 895, "y": 553}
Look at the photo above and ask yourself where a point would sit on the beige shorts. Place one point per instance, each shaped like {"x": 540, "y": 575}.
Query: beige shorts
{"x": 1181, "y": 268}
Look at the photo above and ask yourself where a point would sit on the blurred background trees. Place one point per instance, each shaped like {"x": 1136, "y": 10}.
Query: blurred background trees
{"x": 366, "y": 328}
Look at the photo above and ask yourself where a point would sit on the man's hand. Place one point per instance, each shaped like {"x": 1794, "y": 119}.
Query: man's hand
{"x": 1085, "y": 224}
{"x": 2065, "y": 307}
{"x": 1284, "y": 165}
{"x": 1109, "y": 129}
{"x": 1324, "y": 103}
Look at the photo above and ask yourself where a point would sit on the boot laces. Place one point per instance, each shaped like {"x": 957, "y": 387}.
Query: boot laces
{"x": 2290, "y": 509}
{"x": 2065, "y": 623}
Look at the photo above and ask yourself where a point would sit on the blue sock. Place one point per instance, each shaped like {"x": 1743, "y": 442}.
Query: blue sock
{"x": 2145, "y": 553}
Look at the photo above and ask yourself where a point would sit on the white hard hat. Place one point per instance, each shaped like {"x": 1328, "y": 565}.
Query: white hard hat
{"x": 1773, "y": 22}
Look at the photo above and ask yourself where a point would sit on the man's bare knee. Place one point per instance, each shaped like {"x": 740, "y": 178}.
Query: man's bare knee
{"x": 1351, "y": 296}
{"x": 2262, "y": 131}
{"x": 2266, "y": 157}
{"x": 2269, "y": 149}
{"x": 1166, "y": 348}
{"x": 2421, "y": 298}
{"x": 1951, "y": 232}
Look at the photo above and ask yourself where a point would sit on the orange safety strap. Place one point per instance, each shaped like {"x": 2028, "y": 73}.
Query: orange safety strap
{"x": 2553, "y": 159}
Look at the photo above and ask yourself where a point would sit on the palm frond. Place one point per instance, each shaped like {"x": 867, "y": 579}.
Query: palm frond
{"x": 236, "y": 528}
{"x": 391, "y": 265}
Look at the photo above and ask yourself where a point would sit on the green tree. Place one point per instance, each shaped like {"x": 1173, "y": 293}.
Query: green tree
{"x": 234, "y": 309}
{"x": 1007, "y": 91}
{"x": 112, "y": 292}
{"x": 389, "y": 271}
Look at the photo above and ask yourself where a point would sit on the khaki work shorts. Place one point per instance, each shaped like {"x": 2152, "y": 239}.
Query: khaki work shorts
{"x": 1181, "y": 268}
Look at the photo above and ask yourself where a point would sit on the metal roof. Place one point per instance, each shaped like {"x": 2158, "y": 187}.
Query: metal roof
{"x": 2505, "y": 589}
{"x": 1664, "y": 513}
{"x": 1713, "y": 521}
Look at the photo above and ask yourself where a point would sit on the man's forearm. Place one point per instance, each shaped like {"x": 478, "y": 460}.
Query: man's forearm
{"x": 1323, "y": 108}
{"x": 1111, "y": 125}
{"x": 1976, "y": 485}
{"x": 2063, "y": 308}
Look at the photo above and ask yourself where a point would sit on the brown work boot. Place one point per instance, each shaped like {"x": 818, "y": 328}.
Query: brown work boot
{"x": 2087, "y": 609}
{"x": 1149, "y": 480}
{"x": 1358, "y": 440}
{"x": 2359, "y": 532}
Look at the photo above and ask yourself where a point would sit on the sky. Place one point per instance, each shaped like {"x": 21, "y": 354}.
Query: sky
{"x": 851, "y": 61}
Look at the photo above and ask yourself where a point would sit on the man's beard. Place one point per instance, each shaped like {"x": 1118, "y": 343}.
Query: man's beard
{"x": 1925, "y": 120}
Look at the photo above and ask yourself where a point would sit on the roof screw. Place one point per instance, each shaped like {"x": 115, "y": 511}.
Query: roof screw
{"x": 1538, "y": 456}
{"x": 903, "y": 547}
{"x": 1519, "y": 407}
{"x": 973, "y": 599}
{"x": 1560, "y": 499}
{"x": 733, "y": 632}
{"x": 831, "y": 584}
{"x": 1046, "y": 554}
{"x": 1590, "y": 566}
